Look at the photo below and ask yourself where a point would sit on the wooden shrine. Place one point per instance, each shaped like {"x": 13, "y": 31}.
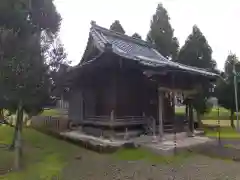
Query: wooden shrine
{"x": 124, "y": 86}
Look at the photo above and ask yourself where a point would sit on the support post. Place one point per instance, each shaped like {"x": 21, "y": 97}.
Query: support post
{"x": 126, "y": 136}
{"x": 154, "y": 130}
{"x": 191, "y": 121}
{"x": 160, "y": 113}
{"x": 112, "y": 118}
{"x": 187, "y": 118}
{"x": 82, "y": 107}
{"x": 236, "y": 94}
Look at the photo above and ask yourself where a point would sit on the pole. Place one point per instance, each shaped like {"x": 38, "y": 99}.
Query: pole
{"x": 219, "y": 128}
{"x": 174, "y": 118}
{"x": 160, "y": 113}
{"x": 236, "y": 95}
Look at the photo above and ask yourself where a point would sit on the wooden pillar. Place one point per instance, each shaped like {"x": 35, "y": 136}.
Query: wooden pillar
{"x": 191, "y": 121}
{"x": 160, "y": 112}
{"x": 82, "y": 107}
{"x": 187, "y": 117}
{"x": 112, "y": 116}
{"x": 112, "y": 119}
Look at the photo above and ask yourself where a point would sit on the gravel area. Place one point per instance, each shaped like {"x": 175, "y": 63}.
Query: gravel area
{"x": 234, "y": 142}
{"x": 92, "y": 166}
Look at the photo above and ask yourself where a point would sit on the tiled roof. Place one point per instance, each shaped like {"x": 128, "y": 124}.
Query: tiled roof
{"x": 137, "y": 49}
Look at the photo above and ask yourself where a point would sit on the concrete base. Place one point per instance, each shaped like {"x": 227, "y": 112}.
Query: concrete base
{"x": 163, "y": 146}
{"x": 77, "y": 135}
{"x": 169, "y": 147}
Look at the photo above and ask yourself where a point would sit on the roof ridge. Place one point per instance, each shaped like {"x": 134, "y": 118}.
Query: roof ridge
{"x": 119, "y": 35}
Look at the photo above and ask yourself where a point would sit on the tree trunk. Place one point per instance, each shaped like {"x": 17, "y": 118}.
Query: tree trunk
{"x": 18, "y": 138}
{"x": 12, "y": 146}
{"x": 187, "y": 112}
{"x": 199, "y": 119}
{"x": 1, "y": 114}
{"x": 232, "y": 119}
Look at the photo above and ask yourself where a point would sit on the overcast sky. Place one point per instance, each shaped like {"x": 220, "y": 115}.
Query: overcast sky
{"x": 217, "y": 19}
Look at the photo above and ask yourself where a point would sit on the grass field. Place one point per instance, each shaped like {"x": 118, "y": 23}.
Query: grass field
{"x": 142, "y": 154}
{"x": 44, "y": 156}
{"x": 224, "y": 114}
{"x": 50, "y": 112}
{"x": 225, "y": 133}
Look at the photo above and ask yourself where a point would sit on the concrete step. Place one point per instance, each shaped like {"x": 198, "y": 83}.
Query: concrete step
{"x": 129, "y": 134}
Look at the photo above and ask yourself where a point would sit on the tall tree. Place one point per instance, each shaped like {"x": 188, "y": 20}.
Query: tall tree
{"x": 225, "y": 89}
{"x": 58, "y": 65}
{"x": 117, "y": 27}
{"x": 197, "y": 52}
{"x": 229, "y": 63}
{"x": 137, "y": 36}
{"x": 162, "y": 34}
{"x": 30, "y": 16}
{"x": 24, "y": 73}
{"x": 25, "y": 79}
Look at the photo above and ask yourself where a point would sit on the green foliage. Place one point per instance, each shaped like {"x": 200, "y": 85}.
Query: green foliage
{"x": 24, "y": 73}
{"x": 212, "y": 114}
{"x": 162, "y": 34}
{"x": 137, "y": 36}
{"x": 196, "y": 51}
{"x": 228, "y": 66}
{"x": 225, "y": 132}
{"x": 201, "y": 104}
{"x": 225, "y": 95}
{"x": 225, "y": 88}
{"x": 56, "y": 59}
{"x": 117, "y": 27}
{"x": 29, "y": 16}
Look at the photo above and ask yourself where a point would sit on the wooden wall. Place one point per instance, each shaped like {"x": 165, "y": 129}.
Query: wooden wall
{"x": 75, "y": 106}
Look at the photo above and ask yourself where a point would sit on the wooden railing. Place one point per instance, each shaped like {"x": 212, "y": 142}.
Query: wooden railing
{"x": 49, "y": 122}
{"x": 98, "y": 118}
{"x": 108, "y": 120}
{"x": 130, "y": 119}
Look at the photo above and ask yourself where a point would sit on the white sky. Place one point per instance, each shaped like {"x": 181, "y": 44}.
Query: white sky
{"x": 217, "y": 19}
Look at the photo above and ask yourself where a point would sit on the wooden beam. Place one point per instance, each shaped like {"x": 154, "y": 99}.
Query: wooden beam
{"x": 190, "y": 91}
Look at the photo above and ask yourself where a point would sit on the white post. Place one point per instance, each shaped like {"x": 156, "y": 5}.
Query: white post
{"x": 154, "y": 130}
{"x": 126, "y": 137}
{"x": 112, "y": 118}
{"x": 236, "y": 95}
{"x": 160, "y": 113}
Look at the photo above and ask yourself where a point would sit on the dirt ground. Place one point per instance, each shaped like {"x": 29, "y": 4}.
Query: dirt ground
{"x": 92, "y": 166}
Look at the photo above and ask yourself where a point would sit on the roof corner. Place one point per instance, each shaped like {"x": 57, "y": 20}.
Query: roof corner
{"x": 93, "y": 23}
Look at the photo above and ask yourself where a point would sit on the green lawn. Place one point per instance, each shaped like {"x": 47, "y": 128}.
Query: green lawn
{"x": 146, "y": 155}
{"x": 50, "y": 112}
{"x": 225, "y": 133}
{"x": 224, "y": 114}
{"x": 222, "y": 123}
{"x": 44, "y": 156}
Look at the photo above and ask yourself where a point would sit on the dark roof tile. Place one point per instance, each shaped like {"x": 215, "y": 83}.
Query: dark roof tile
{"x": 137, "y": 49}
